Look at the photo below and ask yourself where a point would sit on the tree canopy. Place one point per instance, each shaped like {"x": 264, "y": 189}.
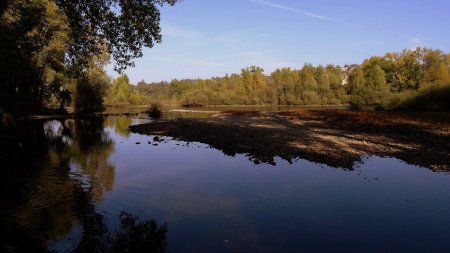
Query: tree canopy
{"x": 389, "y": 81}
{"x": 123, "y": 27}
{"x": 49, "y": 47}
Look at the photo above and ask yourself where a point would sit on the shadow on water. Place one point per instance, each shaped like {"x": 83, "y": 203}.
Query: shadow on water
{"x": 333, "y": 137}
{"x": 53, "y": 174}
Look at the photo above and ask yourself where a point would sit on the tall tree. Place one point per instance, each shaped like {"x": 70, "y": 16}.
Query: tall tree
{"x": 356, "y": 86}
{"x": 44, "y": 40}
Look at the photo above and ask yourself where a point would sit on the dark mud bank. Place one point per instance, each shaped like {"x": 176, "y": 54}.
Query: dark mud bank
{"x": 336, "y": 138}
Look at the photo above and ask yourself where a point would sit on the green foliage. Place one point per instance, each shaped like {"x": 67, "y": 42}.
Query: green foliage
{"x": 385, "y": 82}
{"x": 34, "y": 39}
{"x": 431, "y": 98}
{"x": 368, "y": 86}
{"x": 411, "y": 69}
{"x": 252, "y": 87}
{"x": 153, "y": 90}
{"x": 52, "y": 52}
{"x": 48, "y": 46}
{"x": 120, "y": 90}
{"x": 90, "y": 90}
{"x": 88, "y": 97}
{"x": 121, "y": 93}
{"x": 99, "y": 23}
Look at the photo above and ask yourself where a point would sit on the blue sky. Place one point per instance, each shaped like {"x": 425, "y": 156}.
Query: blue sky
{"x": 205, "y": 38}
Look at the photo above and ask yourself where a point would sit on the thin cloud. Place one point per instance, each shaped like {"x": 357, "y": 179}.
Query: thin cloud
{"x": 180, "y": 59}
{"x": 250, "y": 54}
{"x": 320, "y": 17}
{"x": 287, "y": 8}
{"x": 178, "y": 31}
{"x": 416, "y": 42}
{"x": 306, "y": 13}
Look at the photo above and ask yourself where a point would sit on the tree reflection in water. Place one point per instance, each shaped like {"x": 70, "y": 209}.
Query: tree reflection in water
{"x": 53, "y": 174}
{"x": 120, "y": 124}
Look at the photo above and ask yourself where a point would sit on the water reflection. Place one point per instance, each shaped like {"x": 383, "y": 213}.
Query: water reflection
{"x": 82, "y": 147}
{"x": 54, "y": 175}
{"x": 228, "y": 204}
{"x": 119, "y": 124}
{"x": 66, "y": 183}
{"x": 134, "y": 235}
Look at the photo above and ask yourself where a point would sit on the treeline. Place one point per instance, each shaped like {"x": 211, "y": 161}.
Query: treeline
{"x": 393, "y": 80}
{"x": 310, "y": 85}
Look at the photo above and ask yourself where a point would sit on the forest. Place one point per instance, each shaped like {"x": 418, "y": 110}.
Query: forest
{"x": 415, "y": 79}
{"x": 412, "y": 79}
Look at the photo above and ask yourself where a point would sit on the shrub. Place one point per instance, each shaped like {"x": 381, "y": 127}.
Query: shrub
{"x": 155, "y": 111}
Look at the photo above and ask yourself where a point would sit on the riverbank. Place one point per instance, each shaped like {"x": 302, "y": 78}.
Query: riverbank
{"x": 336, "y": 138}
{"x": 92, "y": 115}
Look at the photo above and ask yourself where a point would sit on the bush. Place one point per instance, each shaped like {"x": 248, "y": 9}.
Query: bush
{"x": 155, "y": 111}
{"x": 432, "y": 99}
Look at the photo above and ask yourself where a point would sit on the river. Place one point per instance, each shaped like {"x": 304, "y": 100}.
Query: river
{"x": 67, "y": 192}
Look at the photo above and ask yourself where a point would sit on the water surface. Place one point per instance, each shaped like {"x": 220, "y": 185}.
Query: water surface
{"x": 95, "y": 169}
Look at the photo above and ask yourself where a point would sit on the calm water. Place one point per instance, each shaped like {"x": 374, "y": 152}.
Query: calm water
{"x": 82, "y": 174}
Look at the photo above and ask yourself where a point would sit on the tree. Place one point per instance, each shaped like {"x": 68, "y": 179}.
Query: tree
{"x": 356, "y": 86}
{"x": 284, "y": 82}
{"x": 29, "y": 53}
{"x": 124, "y": 27}
{"x": 380, "y": 80}
{"x": 376, "y": 89}
{"x": 323, "y": 81}
{"x": 46, "y": 41}
{"x": 375, "y": 77}
{"x": 120, "y": 91}
{"x": 88, "y": 96}
{"x": 92, "y": 86}
{"x": 437, "y": 74}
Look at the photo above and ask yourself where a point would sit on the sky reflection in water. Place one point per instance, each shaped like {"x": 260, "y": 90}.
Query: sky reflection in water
{"x": 218, "y": 203}
{"x": 212, "y": 201}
